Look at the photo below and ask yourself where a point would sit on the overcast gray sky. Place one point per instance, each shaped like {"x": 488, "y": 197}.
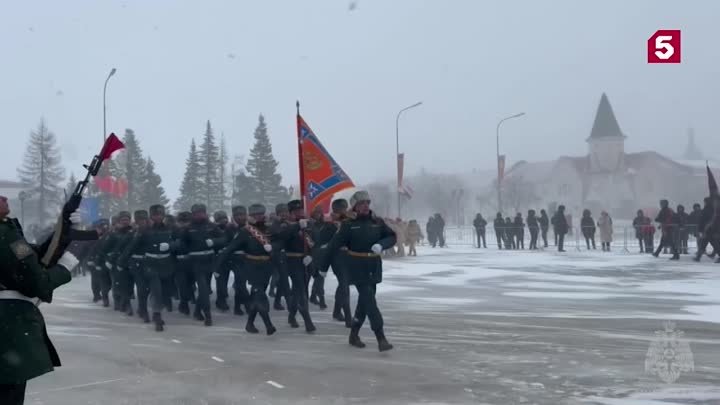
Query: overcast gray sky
{"x": 472, "y": 62}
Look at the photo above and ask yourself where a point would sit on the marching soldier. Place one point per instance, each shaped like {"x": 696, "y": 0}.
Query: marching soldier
{"x": 130, "y": 267}
{"x": 279, "y": 285}
{"x": 26, "y": 351}
{"x": 292, "y": 237}
{"x": 183, "y": 273}
{"x": 254, "y": 240}
{"x": 109, "y": 253}
{"x": 321, "y": 233}
{"x": 341, "y": 309}
{"x": 101, "y": 226}
{"x": 237, "y": 263}
{"x": 221, "y": 278}
{"x": 366, "y": 237}
{"x": 200, "y": 239}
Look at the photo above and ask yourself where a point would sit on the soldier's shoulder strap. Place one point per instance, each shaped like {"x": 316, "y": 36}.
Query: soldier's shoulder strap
{"x": 259, "y": 236}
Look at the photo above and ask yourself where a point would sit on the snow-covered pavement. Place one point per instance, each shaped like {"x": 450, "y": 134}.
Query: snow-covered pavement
{"x": 469, "y": 326}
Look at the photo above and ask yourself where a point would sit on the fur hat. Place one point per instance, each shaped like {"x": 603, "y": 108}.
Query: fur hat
{"x": 239, "y": 209}
{"x": 339, "y": 205}
{"x": 157, "y": 209}
{"x": 184, "y": 217}
{"x": 220, "y": 215}
{"x": 361, "y": 195}
{"x": 256, "y": 209}
{"x": 140, "y": 214}
{"x": 294, "y": 205}
{"x": 198, "y": 208}
{"x": 122, "y": 214}
{"x": 280, "y": 208}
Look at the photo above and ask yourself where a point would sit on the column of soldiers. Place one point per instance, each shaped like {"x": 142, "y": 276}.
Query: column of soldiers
{"x": 161, "y": 258}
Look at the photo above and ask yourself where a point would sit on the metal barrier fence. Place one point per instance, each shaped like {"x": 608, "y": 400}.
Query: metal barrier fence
{"x": 623, "y": 238}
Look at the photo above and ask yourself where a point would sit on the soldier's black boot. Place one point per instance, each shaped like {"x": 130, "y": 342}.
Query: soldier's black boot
{"x": 250, "y": 326}
{"x": 238, "y": 308}
{"x": 222, "y": 305}
{"x": 314, "y": 299}
{"x": 322, "y": 302}
{"x": 337, "y": 312}
{"x": 96, "y": 298}
{"x": 292, "y": 321}
{"x": 208, "y": 318}
{"x": 106, "y": 300}
{"x": 159, "y": 323}
{"x": 129, "y": 310}
{"x": 355, "y": 338}
{"x": 278, "y": 306}
{"x": 309, "y": 325}
{"x": 268, "y": 324}
{"x": 383, "y": 344}
{"x": 184, "y": 308}
{"x": 197, "y": 314}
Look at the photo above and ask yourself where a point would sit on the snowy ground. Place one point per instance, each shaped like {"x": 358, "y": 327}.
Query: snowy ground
{"x": 469, "y": 326}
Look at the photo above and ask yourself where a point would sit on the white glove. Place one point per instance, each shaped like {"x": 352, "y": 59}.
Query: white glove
{"x": 307, "y": 260}
{"x": 376, "y": 248}
{"x": 164, "y": 247}
{"x": 108, "y": 265}
{"x": 323, "y": 274}
{"x": 209, "y": 242}
{"x": 217, "y": 275}
{"x": 303, "y": 223}
{"x": 68, "y": 260}
{"x": 76, "y": 219}
{"x": 268, "y": 248}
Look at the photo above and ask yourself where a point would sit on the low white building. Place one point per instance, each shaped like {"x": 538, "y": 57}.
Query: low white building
{"x": 607, "y": 178}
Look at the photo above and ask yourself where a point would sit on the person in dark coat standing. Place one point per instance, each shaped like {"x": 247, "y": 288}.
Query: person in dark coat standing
{"x": 638, "y": 224}
{"x": 560, "y": 227}
{"x": 480, "y": 223}
{"x": 26, "y": 351}
{"x": 534, "y": 228}
{"x": 694, "y": 220}
{"x": 499, "y": 225}
{"x": 430, "y": 230}
{"x": 668, "y": 224}
{"x": 544, "y": 226}
{"x": 509, "y": 234}
{"x": 683, "y": 229}
{"x": 440, "y": 229}
{"x": 705, "y": 229}
{"x": 365, "y": 237}
{"x": 519, "y": 226}
{"x": 587, "y": 223}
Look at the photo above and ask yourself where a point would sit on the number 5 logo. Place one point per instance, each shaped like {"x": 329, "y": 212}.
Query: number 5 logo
{"x": 664, "y": 47}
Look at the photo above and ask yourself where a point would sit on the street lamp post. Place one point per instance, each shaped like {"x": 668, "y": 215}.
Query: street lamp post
{"x": 397, "y": 152}
{"x": 112, "y": 72}
{"x": 22, "y": 196}
{"x": 497, "y": 138}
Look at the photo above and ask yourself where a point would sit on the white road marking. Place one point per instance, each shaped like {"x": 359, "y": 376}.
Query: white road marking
{"x": 218, "y": 359}
{"x": 276, "y": 385}
{"x": 176, "y": 341}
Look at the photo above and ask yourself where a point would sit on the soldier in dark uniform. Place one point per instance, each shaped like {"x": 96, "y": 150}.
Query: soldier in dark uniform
{"x": 683, "y": 231}
{"x": 519, "y": 226}
{"x": 184, "y": 279}
{"x": 560, "y": 227}
{"x": 130, "y": 268}
{"x": 479, "y": 223}
{"x": 668, "y": 225}
{"x": 26, "y": 351}
{"x": 341, "y": 309}
{"x": 534, "y": 228}
{"x": 705, "y": 230}
{"x": 291, "y": 236}
{"x": 254, "y": 240}
{"x": 101, "y": 226}
{"x": 499, "y": 226}
{"x": 109, "y": 253}
{"x": 237, "y": 262}
{"x": 320, "y": 232}
{"x": 509, "y": 234}
{"x": 366, "y": 237}
{"x": 279, "y": 284}
{"x": 154, "y": 243}
{"x": 200, "y": 240}
{"x": 221, "y": 279}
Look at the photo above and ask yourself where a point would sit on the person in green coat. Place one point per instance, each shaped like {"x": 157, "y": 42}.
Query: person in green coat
{"x": 365, "y": 236}
{"x": 26, "y": 351}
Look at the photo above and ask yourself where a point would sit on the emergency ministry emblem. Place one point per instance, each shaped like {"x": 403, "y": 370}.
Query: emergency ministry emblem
{"x": 21, "y": 249}
{"x": 669, "y": 354}
{"x": 312, "y": 161}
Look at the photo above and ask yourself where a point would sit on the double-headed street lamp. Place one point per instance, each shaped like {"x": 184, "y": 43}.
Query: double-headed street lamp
{"x": 497, "y": 136}
{"x": 397, "y": 152}
{"x": 112, "y": 72}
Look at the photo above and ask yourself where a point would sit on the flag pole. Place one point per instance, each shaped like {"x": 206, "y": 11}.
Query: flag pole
{"x": 300, "y": 158}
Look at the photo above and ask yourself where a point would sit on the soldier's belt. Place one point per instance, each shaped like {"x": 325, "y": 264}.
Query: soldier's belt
{"x": 157, "y": 255}
{"x": 258, "y": 258}
{"x": 344, "y": 248}
{"x": 239, "y": 252}
{"x": 297, "y": 255}
{"x": 15, "y": 295}
{"x": 137, "y": 256}
{"x": 362, "y": 254}
{"x": 181, "y": 256}
{"x": 201, "y": 253}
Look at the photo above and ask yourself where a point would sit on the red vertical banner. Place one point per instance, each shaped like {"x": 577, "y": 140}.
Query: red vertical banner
{"x": 501, "y": 167}
{"x": 301, "y": 166}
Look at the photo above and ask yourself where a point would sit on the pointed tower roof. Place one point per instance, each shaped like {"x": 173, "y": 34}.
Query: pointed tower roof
{"x": 605, "y": 125}
{"x": 691, "y": 150}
